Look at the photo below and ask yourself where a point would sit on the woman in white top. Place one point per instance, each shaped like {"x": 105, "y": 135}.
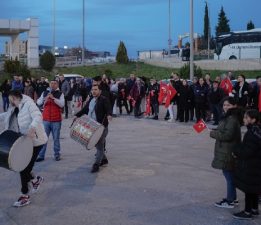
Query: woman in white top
{"x": 24, "y": 117}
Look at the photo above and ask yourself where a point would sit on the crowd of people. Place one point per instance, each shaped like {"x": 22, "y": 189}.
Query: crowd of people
{"x": 228, "y": 104}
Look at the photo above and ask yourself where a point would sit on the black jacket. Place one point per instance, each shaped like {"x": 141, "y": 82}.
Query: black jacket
{"x": 248, "y": 165}
{"x": 215, "y": 97}
{"x": 185, "y": 97}
{"x": 102, "y": 110}
{"x": 243, "y": 100}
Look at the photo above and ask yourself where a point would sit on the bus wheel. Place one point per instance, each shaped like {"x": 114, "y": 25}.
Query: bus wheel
{"x": 232, "y": 57}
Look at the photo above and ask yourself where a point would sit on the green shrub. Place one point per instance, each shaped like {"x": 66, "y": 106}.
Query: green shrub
{"x": 47, "y": 61}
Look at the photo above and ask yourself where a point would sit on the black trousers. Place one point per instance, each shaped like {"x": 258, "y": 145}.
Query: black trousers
{"x": 137, "y": 107}
{"x": 66, "y": 107}
{"x": 26, "y": 175}
{"x": 123, "y": 102}
{"x": 200, "y": 111}
{"x": 183, "y": 114}
{"x": 251, "y": 202}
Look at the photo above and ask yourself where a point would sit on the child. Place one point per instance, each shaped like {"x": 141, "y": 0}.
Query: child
{"x": 248, "y": 167}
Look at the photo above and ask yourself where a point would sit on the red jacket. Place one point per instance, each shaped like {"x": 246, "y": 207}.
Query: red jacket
{"x": 51, "y": 111}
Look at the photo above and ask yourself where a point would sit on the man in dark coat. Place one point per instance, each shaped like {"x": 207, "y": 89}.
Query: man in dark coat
{"x": 98, "y": 108}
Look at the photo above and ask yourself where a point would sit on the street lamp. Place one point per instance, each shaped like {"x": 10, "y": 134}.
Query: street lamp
{"x": 191, "y": 40}
{"x": 54, "y": 24}
{"x": 83, "y": 30}
{"x": 169, "y": 41}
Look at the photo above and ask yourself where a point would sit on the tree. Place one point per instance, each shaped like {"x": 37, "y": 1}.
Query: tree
{"x": 185, "y": 71}
{"x": 250, "y": 25}
{"x": 206, "y": 23}
{"x": 223, "y": 23}
{"x": 47, "y": 61}
{"x": 122, "y": 55}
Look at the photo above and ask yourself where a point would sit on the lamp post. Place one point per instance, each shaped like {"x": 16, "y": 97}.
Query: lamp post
{"x": 191, "y": 40}
{"x": 54, "y": 25}
{"x": 170, "y": 41}
{"x": 83, "y": 30}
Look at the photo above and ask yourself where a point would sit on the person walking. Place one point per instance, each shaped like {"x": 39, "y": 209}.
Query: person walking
{"x": 24, "y": 117}
{"x": 65, "y": 89}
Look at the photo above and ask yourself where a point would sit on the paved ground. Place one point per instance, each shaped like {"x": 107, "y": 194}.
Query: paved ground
{"x": 158, "y": 174}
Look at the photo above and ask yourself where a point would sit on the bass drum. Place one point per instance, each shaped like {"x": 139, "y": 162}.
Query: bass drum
{"x": 16, "y": 151}
{"x": 86, "y": 131}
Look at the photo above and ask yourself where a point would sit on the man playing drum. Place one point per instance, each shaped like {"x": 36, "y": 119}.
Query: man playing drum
{"x": 99, "y": 109}
{"x": 24, "y": 117}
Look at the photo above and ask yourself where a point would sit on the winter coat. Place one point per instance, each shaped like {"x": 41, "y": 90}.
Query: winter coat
{"x": 136, "y": 93}
{"x": 185, "y": 97}
{"x": 29, "y": 116}
{"x": 17, "y": 85}
{"x": 154, "y": 93}
{"x": 228, "y": 136}
{"x": 215, "y": 96}
{"x": 248, "y": 161}
{"x": 200, "y": 93}
{"x": 243, "y": 99}
{"x": 102, "y": 110}
{"x": 41, "y": 87}
{"x": 5, "y": 89}
{"x": 65, "y": 88}
{"x": 29, "y": 91}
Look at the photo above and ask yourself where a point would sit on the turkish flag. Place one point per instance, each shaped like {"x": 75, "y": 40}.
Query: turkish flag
{"x": 171, "y": 92}
{"x": 227, "y": 86}
{"x": 259, "y": 100}
{"x": 163, "y": 91}
{"x": 200, "y": 126}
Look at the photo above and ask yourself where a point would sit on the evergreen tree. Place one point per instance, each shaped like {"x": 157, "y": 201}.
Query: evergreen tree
{"x": 250, "y": 25}
{"x": 122, "y": 55}
{"x": 206, "y": 23}
{"x": 47, "y": 61}
{"x": 223, "y": 23}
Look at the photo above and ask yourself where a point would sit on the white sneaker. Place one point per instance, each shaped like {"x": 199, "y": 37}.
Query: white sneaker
{"x": 36, "y": 184}
{"x": 170, "y": 120}
{"x": 23, "y": 200}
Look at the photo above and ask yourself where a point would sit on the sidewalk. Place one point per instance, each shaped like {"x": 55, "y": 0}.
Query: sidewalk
{"x": 158, "y": 174}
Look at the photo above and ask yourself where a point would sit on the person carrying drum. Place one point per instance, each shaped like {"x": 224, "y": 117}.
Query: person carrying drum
{"x": 99, "y": 109}
{"x": 24, "y": 117}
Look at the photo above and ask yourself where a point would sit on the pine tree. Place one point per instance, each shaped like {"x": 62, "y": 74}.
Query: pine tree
{"x": 122, "y": 55}
{"x": 223, "y": 23}
{"x": 250, "y": 25}
{"x": 206, "y": 23}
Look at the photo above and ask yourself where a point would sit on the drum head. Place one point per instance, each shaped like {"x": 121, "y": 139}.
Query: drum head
{"x": 20, "y": 154}
{"x": 95, "y": 138}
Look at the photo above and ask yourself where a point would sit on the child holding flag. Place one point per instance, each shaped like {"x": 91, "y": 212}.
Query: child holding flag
{"x": 228, "y": 136}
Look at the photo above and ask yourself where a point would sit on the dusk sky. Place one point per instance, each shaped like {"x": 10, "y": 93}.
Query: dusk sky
{"x": 141, "y": 24}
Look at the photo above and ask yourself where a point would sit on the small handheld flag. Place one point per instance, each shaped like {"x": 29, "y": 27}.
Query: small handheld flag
{"x": 200, "y": 126}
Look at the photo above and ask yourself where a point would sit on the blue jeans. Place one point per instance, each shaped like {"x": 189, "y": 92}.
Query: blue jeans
{"x": 5, "y": 103}
{"x": 55, "y": 128}
{"x": 231, "y": 189}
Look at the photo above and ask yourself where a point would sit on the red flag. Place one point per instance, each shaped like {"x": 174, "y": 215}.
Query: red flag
{"x": 227, "y": 86}
{"x": 163, "y": 91}
{"x": 171, "y": 92}
{"x": 148, "y": 106}
{"x": 259, "y": 100}
{"x": 200, "y": 126}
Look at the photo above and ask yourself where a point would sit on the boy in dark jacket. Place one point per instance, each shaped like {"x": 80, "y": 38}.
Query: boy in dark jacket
{"x": 248, "y": 166}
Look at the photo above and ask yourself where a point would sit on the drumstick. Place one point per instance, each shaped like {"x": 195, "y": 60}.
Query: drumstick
{"x": 73, "y": 122}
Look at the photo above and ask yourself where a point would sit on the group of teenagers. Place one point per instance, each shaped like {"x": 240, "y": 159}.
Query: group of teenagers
{"x": 38, "y": 119}
{"x": 239, "y": 160}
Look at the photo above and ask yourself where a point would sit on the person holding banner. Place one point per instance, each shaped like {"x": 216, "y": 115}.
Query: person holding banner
{"x": 228, "y": 137}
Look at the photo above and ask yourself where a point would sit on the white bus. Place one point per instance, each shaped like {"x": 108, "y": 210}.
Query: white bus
{"x": 239, "y": 45}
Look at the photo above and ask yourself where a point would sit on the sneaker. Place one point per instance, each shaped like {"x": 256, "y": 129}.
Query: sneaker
{"x": 95, "y": 168}
{"x": 170, "y": 120}
{"x": 104, "y": 162}
{"x": 57, "y": 158}
{"x": 39, "y": 160}
{"x": 23, "y": 200}
{"x": 255, "y": 212}
{"x": 225, "y": 204}
{"x": 36, "y": 184}
{"x": 243, "y": 215}
{"x": 236, "y": 202}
